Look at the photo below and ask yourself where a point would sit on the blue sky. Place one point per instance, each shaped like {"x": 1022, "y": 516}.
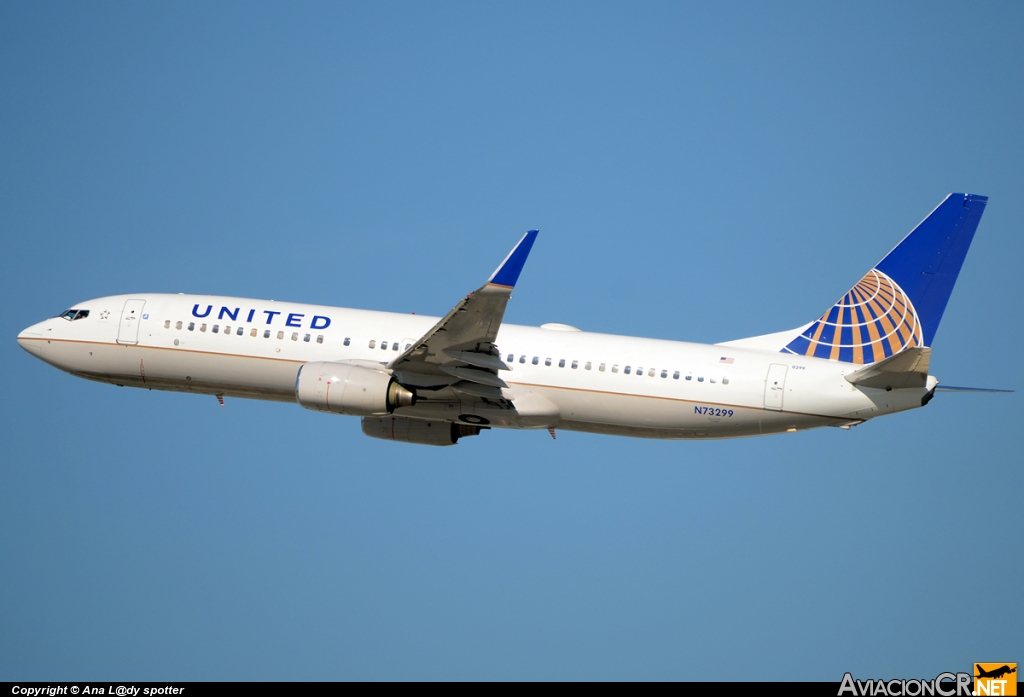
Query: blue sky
{"x": 698, "y": 172}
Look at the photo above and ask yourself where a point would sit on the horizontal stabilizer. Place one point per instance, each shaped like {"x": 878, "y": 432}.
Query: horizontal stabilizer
{"x": 908, "y": 368}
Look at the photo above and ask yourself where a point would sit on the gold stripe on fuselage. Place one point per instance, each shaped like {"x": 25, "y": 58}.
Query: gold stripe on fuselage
{"x": 133, "y": 378}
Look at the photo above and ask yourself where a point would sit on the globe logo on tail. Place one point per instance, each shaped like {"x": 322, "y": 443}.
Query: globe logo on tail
{"x": 873, "y": 321}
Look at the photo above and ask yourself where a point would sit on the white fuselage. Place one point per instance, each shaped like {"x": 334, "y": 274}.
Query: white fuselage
{"x": 559, "y": 378}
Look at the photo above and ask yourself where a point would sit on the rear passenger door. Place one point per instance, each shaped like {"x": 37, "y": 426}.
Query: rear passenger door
{"x": 775, "y": 386}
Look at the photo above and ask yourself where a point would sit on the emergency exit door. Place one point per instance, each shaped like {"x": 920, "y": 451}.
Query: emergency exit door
{"x": 131, "y": 316}
{"x": 775, "y": 386}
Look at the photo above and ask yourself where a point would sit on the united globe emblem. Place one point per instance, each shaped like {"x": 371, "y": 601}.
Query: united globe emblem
{"x": 873, "y": 321}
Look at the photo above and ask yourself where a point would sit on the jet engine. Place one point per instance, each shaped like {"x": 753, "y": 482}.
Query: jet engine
{"x": 346, "y": 388}
{"x": 406, "y": 430}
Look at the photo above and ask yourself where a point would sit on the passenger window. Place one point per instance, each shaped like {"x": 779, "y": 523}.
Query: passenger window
{"x": 191, "y": 326}
{"x": 547, "y": 361}
{"x": 306, "y": 338}
{"x": 627, "y": 370}
{"x": 650, "y": 373}
{"x": 561, "y": 362}
{"x": 266, "y": 333}
{"x": 227, "y": 330}
{"x": 253, "y": 332}
{"x": 202, "y": 327}
{"x": 510, "y": 358}
{"x": 725, "y": 381}
{"x": 689, "y": 377}
{"x": 373, "y": 343}
{"x": 664, "y": 373}
{"x": 700, "y": 379}
{"x": 522, "y": 359}
{"x": 536, "y": 360}
{"x": 320, "y": 338}
{"x": 216, "y": 328}
{"x": 407, "y": 346}
{"x": 383, "y": 346}
{"x": 575, "y": 365}
{"x": 713, "y": 380}
{"x": 394, "y": 346}
{"x": 177, "y": 325}
{"x": 167, "y": 324}
{"x": 601, "y": 367}
{"x": 240, "y": 331}
{"x": 295, "y": 336}
{"x": 347, "y": 341}
{"x": 280, "y": 335}
{"x": 587, "y": 366}
{"x": 675, "y": 375}
{"x": 615, "y": 368}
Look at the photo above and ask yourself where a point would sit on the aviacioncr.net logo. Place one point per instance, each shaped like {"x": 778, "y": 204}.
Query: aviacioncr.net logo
{"x": 943, "y": 685}
{"x": 995, "y": 679}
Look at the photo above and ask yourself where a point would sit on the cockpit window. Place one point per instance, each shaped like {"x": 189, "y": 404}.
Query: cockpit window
{"x": 72, "y": 315}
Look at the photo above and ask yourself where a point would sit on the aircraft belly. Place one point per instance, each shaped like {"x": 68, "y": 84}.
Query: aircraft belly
{"x": 710, "y": 429}
{"x": 637, "y": 410}
{"x": 652, "y": 417}
{"x": 188, "y": 371}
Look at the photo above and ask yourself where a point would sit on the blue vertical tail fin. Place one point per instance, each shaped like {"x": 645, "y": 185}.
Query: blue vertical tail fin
{"x": 899, "y": 303}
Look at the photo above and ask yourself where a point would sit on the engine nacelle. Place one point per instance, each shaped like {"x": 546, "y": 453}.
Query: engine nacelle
{"x": 406, "y": 430}
{"x": 345, "y": 388}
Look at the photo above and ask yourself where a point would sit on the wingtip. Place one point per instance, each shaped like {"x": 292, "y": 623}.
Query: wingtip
{"x": 508, "y": 272}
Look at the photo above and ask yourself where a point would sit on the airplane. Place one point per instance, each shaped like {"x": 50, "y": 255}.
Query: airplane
{"x": 432, "y": 381}
{"x": 995, "y": 673}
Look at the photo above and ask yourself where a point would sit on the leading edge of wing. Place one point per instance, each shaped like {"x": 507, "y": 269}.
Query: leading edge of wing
{"x": 508, "y": 271}
{"x": 464, "y": 338}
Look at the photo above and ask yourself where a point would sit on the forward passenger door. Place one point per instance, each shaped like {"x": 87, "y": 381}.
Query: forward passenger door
{"x": 131, "y": 316}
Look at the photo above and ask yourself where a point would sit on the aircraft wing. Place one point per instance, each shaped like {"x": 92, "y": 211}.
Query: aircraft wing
{"x": 460, "y": 348}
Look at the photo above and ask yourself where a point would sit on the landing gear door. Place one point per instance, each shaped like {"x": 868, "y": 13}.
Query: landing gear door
{"x": 775, "y": 387}
{"x": 131, "y": 316}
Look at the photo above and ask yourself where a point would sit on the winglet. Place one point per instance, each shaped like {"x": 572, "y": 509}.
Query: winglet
{"x": 508, "y": 272}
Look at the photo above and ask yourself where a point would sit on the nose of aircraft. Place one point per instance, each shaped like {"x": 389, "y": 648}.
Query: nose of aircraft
{"x": 30, "y": 339}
